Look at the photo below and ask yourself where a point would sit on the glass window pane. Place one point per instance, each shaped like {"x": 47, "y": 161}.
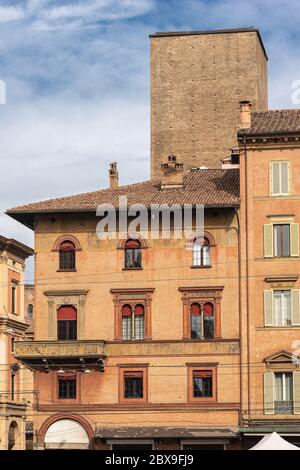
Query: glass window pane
{"x": 209, "y": 327}
{"x": 202, "y": 387}
{"x": 139, "y": 327}
{"x": 196, "y": 326}
{"x": 196, "y": 254}
{"x": 133, "y": 387}
{"x": 277, "y": 240}
{"x": 277, "y": 308}
{"x": 206, "y": 255}
{"x": 288, "y": 386}
{"x": 285, "y": 240}
{"x": 126, "y": 328}
{"x": 287, "y": 308}
{"x": 278, "y": 387}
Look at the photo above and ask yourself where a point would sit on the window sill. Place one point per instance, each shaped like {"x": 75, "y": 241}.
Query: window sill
{"x": 279, "y": 328}
{"x": 132, "y": 401}
{"x": 204, "y": 340}
{"x": 201, "y": 267}
{"x": 66, "y": 270}
{"x": 132, "y": 269}
{"x": 203, "y": 400}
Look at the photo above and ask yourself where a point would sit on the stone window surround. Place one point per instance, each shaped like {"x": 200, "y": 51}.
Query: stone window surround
{"x": 132, "y": 297}
{"x": 57, "y": 299}
{"x": 201, "y": 295}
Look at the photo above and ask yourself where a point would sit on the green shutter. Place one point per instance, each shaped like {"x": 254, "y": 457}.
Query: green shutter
{"x": 275, "y": 178}
{"x": 268, "y": 240}
{"x": 294, "y": 239}
{"x": 269, "y": 393}
{"x": 295, "y": 307}
{"x": 268, "y": 308}
{"x": 296, "y": 386}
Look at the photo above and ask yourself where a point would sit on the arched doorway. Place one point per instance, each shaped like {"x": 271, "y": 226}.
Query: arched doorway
{"x": 66, "y": 434}
{"x": 14, "y": 436}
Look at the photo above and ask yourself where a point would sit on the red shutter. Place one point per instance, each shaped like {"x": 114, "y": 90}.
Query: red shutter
{"x": 132, "y": 244}
{"x": 208, "y": 310}
{"x": 195, "y": 309}
{"x": 66, "y": 246}
{"x": 66, "y": 376}
{"x": 67, "y": 313}
{"x": 126, "y": 311}
{"x": 133, "y": 374}
{"x": 139, "y": 310}
{"x": 202, "y": 374}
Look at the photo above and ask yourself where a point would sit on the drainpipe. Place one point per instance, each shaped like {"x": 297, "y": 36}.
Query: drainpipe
{"x": 238, "y": 230}
{"x": 247, "y": 274}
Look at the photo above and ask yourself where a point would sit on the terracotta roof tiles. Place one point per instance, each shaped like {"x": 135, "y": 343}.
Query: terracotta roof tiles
{"x": 213, "y": 187}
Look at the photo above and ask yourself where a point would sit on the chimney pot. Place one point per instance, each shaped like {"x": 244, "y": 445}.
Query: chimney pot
{"x": 172, "y": 173}
{"x": 113, "y": 176}
{"x": 245, "y": 114}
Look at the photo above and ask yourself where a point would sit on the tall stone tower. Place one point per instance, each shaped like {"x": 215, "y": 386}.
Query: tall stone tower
{"x": 197, "y": 81}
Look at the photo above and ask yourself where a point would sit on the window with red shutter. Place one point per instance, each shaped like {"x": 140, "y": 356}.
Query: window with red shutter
{"x": 133, "y": 254}
{"x": 67, "y": 323}
{"x": 67, "y": 256}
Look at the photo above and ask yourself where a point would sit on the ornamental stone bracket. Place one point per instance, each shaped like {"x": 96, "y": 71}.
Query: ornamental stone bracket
{"x": 56, "y": 299}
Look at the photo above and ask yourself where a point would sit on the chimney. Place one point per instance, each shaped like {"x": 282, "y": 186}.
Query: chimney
{"x": 172, "y": 173}
{"x": 113, "y": 176}
{"x": 245, "y": 115}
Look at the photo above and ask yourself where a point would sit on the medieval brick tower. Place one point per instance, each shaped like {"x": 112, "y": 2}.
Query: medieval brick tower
{"x": 197, "y": 81}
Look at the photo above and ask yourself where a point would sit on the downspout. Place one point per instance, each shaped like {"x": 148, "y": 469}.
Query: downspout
{"x": 240, "y": 313}
{"x": 247, "y": 275}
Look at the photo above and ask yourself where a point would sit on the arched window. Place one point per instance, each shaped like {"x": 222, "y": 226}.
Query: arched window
{"x": 196, "y": 324}
{"x": 133, "y": 254}
{"x": 133, "y": 323}
{"x": 67, "y": 256}
{"x": 201, "y": 252}
{"x": 209, "y": 321}
{"x": 202, "y": 321}
{"x": 30, "y": 312}
{"x": 66, "y": 323}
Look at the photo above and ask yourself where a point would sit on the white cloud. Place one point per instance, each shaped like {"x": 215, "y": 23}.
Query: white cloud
{"x": 49, "y": 14}
{"x": 11, "y": 14}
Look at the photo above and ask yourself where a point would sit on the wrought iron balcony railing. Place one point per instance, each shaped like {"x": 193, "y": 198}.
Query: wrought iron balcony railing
{"x": 284, "y": 407}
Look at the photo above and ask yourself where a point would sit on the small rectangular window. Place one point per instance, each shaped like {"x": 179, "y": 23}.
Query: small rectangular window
{"x": 67, "y": 389}
{"x": 133, "y": 385}
{"x": 202, "y": 384}
{"x": 280, "y": 179}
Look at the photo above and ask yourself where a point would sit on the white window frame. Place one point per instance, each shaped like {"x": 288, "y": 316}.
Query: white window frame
{"x": 282, "y": 291}
{"x": 283, "y": 385}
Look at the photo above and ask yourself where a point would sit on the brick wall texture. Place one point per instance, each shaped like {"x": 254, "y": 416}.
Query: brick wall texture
{"x": 197, "y": 81}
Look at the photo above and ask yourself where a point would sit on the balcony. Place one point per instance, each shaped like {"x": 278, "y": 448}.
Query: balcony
{"x": 284, "y": 407}
{"x": 52, "y": 354}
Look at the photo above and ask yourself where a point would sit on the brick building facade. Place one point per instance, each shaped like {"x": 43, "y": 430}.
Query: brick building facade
{"x": 177, "y": 343}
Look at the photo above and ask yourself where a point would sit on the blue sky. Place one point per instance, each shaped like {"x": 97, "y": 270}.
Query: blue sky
{"x": 77, "y": 78}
